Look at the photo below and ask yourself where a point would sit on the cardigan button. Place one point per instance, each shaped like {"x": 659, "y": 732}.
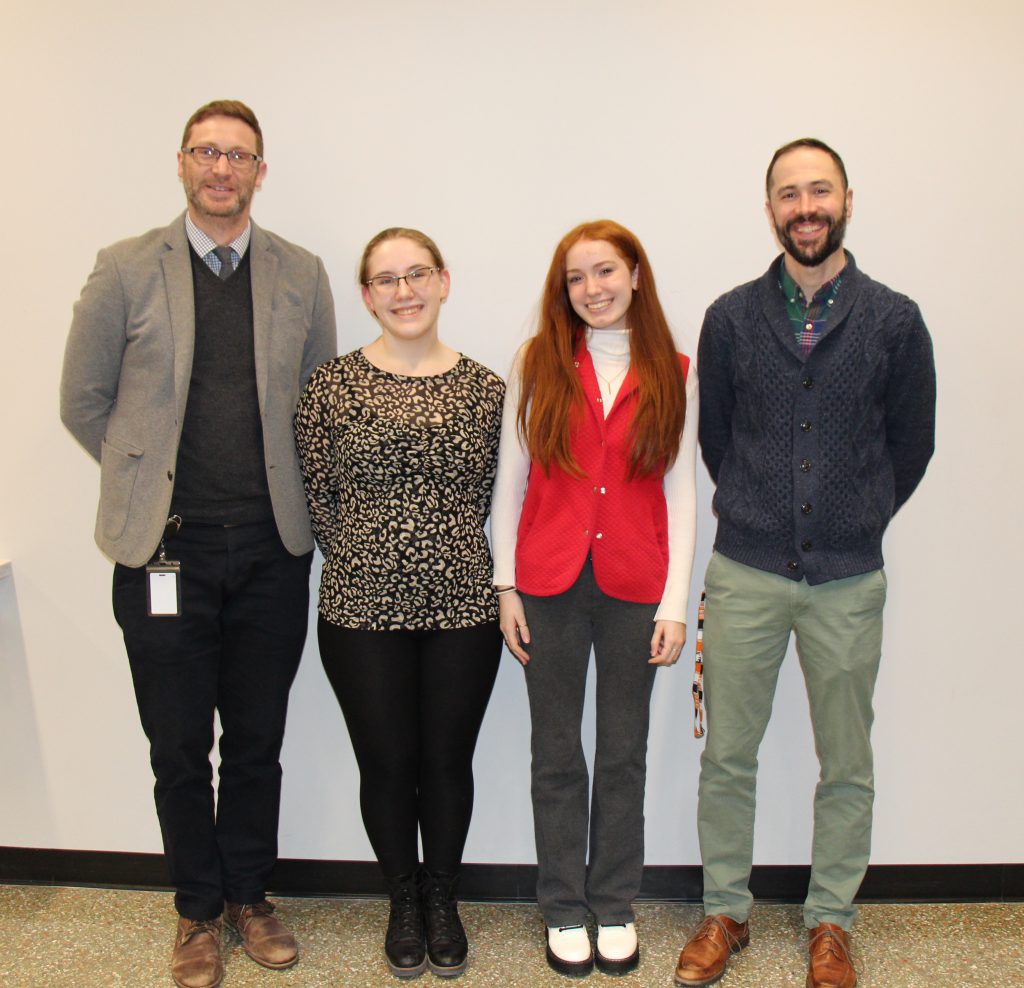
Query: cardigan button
{"x": 805, "y": 426}
{"x": 808, "y": 382}
{"x": 805, "y": 508}
{"x": 599, "y": 535}
{"x": 807, "y": 545}
{"x": 805, "y": 466}
{"x": 792, "y": 566}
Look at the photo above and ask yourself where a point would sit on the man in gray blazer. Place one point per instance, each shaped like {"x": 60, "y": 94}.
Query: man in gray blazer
{"x": 188, "y": 350}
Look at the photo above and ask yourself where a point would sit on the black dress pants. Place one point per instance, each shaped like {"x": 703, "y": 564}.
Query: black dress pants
{"x": 235, "y": 649}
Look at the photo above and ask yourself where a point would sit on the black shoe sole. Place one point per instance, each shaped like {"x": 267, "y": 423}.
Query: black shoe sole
{"x": 621, "y": 965}
{"x": 453, "y": 971}
{"x": 407, "y": 972}
{"x": 571, "y": 969}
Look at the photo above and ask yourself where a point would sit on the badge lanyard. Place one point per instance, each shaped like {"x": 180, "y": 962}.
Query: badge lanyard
{"x": 698, "y": 672}
{"x": 163, "y": 578}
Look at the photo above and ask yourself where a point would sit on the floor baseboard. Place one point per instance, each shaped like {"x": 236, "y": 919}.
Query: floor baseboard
{"x": 517, "y": 882}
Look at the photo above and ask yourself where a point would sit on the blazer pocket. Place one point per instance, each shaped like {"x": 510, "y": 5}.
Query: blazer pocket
{"x": 119, "y": 468}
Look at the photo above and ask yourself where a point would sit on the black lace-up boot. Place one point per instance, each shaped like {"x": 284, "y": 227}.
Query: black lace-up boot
{"x": 405, "y": 944}
{"x": 446, "y": 939}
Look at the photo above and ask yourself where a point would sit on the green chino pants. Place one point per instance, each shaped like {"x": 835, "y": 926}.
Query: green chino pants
{"x": 838, "y": 625}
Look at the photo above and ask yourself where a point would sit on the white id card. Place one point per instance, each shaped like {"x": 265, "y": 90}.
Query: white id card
{"x": 163, "y": 585}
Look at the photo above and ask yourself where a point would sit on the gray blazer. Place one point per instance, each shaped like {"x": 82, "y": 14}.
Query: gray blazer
{"x": 128, "y": 363}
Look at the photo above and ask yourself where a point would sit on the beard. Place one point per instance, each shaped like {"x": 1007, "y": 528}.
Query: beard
{"x": 810, "y": 257}
{"x": 229, "y": 208}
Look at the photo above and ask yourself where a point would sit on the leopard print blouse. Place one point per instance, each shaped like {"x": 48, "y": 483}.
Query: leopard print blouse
{"x": 398, "y": 473}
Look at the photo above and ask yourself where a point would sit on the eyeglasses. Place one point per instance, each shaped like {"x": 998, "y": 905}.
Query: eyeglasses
{"x": 205, "y": 155}
{"x": 416, "y": 278}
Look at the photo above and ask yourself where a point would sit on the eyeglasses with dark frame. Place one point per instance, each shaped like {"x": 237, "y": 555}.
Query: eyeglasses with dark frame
{"x": 416, "y": 278}
{"x": 203, "y": 154}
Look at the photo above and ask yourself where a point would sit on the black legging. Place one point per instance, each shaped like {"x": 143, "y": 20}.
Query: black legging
{"x": 413, "y": 702}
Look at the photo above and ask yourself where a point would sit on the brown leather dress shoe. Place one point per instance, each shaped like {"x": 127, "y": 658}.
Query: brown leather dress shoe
{"x": 703, "y": 959}
{"x": 831, "y": 966}
{"x": 196, "y": 961}
{"x": 265, "y": 938}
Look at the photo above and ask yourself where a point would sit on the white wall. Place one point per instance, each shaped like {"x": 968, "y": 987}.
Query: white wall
{"x": 496, "y": 127}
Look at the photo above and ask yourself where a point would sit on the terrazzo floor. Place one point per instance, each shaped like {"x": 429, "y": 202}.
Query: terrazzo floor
{"x": 94, "y": 938}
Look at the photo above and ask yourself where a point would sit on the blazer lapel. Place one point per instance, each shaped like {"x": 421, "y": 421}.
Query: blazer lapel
{"x": 263, "y": 270}
{"x": 177, "y": 267}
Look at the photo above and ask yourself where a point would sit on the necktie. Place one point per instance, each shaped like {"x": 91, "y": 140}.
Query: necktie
{"x": 226, "y": 267}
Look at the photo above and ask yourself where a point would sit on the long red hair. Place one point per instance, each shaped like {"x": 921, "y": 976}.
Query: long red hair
{"x": 551, "y": 390}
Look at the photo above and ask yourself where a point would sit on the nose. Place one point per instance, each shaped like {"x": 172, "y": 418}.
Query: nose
{"x": 221, "y": 165}
{"x": 593, "y": 288}
{"x": 402, "y": 289}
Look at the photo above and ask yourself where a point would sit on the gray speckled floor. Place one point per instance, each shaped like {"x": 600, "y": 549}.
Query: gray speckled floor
{"x": 94, "y": 938}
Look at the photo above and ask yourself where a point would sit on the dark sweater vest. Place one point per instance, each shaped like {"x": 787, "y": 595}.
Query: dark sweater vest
{"x": 221, "y": 474}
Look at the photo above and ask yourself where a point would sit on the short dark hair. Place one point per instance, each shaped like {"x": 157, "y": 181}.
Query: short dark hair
{"x": 804, "y": 142}
{"x": 225, "y": 108}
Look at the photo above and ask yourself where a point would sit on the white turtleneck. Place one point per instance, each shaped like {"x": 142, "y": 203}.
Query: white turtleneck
{"x": 609, "y": 350}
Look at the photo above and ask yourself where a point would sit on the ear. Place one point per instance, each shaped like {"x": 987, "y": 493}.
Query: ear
{"x": 635, "y": 278}
{"x": 849, "y": 204}
{"x": 181, "y": 164}
{"x": 367, "y": 302}
{"x": 770, "y": 216}
{"x": 261, "y": 173}
{"x": 446, "y": 284}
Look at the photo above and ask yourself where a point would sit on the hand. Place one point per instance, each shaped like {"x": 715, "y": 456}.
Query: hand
{"x": 512, "y": 620}
{"x": 667, "y": 643}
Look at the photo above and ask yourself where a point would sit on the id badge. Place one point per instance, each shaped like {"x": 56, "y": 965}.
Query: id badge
{"x": 163, "y": 588}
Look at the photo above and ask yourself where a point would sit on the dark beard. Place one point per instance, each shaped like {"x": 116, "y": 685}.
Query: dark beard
{"x": 813, "y": 258}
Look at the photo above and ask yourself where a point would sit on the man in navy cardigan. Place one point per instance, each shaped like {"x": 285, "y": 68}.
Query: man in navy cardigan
{"x": 817, "y": 421}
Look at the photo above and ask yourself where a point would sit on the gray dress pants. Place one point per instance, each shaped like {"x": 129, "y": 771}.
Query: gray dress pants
{"x": 563, "y": 628}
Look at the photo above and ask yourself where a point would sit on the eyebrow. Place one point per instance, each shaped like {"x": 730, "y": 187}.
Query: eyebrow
{"x": 812, "y": 182}
{"x": 596, "y": 264}
{"x": 386, "y": 271}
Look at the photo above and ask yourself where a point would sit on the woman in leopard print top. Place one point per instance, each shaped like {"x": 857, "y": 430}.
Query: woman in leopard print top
{"x": 398, "y": 443}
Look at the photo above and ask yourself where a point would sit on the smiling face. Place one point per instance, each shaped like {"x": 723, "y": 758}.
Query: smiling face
{"x": 405, "y": 313}
{"x": 808, "y": 206}
{"x": 600, "y": 284}
{"x": 219, "y": 192}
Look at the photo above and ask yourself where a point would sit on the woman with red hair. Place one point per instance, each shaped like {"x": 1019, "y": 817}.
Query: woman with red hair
{"x": 593, "y": 522}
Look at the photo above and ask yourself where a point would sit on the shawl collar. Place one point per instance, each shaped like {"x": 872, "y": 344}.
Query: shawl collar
{"x": 773, "y": 305}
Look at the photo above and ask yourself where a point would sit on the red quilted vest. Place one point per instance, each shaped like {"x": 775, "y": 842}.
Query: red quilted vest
{"x": 622, "y": 524}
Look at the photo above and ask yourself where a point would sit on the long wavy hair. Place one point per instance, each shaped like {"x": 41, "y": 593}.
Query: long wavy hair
{"x": 552, "y": 395}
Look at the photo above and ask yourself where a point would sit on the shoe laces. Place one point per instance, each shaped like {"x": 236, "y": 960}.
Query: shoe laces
{"x": 707, "y": 928}
{"x": 831, "y": 941}
{"x": 197, "y": 926}
{"x": 443, "y": 911}
{"x": 404, "y": 920}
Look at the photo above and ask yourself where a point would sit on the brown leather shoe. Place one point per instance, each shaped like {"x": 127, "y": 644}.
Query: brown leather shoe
{"x": 196, "y": 961}
{"x": 265, "y": 938}
{"x": 831, "y": 966}
{"x": 703, "y": 959}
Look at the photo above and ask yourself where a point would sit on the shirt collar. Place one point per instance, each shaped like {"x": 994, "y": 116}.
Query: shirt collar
{"x": 792, "y": 290}
{"x": 202, "y": 243}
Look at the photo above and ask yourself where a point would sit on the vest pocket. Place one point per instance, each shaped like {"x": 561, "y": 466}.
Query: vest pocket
{"x": 119, "y": 467}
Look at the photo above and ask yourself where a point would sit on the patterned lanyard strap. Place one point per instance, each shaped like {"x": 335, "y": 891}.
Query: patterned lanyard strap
{"x": 698, "y": 672}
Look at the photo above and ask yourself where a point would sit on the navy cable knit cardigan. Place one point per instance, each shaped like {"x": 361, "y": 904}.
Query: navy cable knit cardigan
{"x": 813, "y": 456}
